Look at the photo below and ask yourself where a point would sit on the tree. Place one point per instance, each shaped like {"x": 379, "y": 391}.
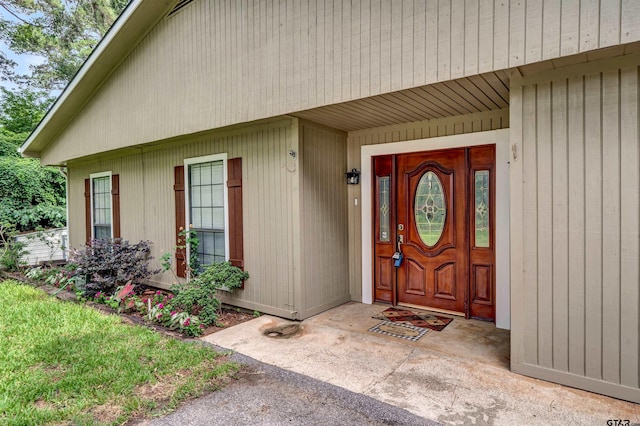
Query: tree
{"x": 20, "y": 112}
{"x": 63, "y": 32}
{"x": 6, "y": 66}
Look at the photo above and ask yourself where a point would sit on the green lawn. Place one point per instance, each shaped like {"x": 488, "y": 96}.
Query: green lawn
{"x": 62, "y": 362}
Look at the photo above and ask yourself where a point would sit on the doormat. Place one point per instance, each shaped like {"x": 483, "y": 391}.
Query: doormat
{"x": 414, "y": 317}
{"x": 400, "y": 330}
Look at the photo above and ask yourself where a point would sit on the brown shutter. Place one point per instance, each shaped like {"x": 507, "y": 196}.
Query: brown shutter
{"x": 234, "y": 183}
{"x": 115, "y": 204}
{"x": 87, "y": 209}
{"x": 178, "y": 188}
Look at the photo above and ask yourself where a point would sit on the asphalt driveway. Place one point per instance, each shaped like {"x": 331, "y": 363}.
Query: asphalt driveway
{"x": 267, "y": 395}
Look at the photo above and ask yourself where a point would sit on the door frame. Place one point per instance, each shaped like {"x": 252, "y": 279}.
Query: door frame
{"x": 499, "y": 138}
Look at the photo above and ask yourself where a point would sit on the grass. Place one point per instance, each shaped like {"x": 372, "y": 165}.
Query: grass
{"x": 61, "y": 362}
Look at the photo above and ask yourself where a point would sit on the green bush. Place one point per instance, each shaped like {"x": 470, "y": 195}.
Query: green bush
{"x": 199, "y": 296}
{"x": 32, "y": 196}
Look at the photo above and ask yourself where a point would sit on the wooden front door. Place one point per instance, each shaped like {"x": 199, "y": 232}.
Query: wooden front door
{"x": 436, "y": 208}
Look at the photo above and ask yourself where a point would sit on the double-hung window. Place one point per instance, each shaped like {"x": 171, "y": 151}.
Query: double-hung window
{"x": 206, "y": 203}
{"x": 101, "y": 209}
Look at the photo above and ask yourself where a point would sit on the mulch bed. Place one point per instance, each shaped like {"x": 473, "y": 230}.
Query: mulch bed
{"x": 228, "y": 317}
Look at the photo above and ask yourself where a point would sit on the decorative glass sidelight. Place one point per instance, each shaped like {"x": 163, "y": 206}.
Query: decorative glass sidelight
{"x": 383, "y": 208}
{"x": 481, "y": 179}
{"x": 430, "y": 208}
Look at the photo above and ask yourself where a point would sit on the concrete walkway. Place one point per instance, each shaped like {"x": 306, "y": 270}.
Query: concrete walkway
{"x": 457, "y": 376}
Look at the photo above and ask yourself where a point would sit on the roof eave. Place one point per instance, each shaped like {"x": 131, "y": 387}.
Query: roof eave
{"x": 130, "y": 28}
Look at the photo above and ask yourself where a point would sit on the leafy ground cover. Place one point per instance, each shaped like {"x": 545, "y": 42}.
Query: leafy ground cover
{"x": 63, "y": 362}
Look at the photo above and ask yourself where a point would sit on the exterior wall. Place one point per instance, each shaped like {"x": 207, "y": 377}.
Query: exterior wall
{"x": 575, "y": 229}
{"x": 270, "y": 203}
{"x": 323, "y": 219}
{"x": 218, "y": 63}
{"x": 470, "y": 123}
{"x": 45, "y": 246}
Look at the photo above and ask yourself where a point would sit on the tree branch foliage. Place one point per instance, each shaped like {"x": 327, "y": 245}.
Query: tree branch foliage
{"x": 63, "y": 32}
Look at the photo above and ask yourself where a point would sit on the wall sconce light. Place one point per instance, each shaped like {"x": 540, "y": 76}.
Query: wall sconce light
{"x": 353, "y": 177}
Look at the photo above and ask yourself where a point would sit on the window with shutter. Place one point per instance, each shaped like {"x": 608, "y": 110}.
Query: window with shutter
{"x": 212, "y": 210}
{"x": 102, "y": 206}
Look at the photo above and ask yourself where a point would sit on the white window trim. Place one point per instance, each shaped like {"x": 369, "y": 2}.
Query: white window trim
{"x": 187, "y": 207}
{"x": 91, "y": 178}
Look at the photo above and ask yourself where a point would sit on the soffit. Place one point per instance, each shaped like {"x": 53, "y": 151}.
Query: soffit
{"x": 478, "y": 93}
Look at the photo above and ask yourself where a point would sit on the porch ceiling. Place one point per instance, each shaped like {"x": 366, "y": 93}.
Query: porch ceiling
{"x": 467, "y": 95}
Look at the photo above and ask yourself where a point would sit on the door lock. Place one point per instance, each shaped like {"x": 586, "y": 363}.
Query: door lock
{"x": 397, "y": 256}
{"x": 397, "y": 259}
{"x": 400, "y": 227}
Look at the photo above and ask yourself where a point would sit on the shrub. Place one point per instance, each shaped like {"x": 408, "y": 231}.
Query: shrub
{"x": 199, "y": 296}
{"x": 108, "y": 264}
{"x": 157, "y": 308}
{"x": 32, "y": 196}
{"x": 11, "y": 251}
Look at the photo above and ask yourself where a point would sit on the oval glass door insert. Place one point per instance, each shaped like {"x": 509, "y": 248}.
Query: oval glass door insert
{"x": 430, "y": 208}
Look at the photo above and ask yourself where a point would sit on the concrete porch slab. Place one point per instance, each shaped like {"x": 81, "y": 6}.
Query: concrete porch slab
{"x": 457, "y": 376}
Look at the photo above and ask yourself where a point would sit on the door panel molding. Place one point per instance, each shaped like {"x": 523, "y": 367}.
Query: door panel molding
{"x": 421, "y": 168}
{"x": 385, "y": 271}
{"x": 445, "y": 281}
{"x": 416, "y": 278}
{"x": 481, "y": 284}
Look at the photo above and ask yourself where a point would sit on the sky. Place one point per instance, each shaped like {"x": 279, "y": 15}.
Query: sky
{"x": 24, "y": 61}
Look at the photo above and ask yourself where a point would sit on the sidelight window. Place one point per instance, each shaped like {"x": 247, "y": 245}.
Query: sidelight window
{"x": 384, "y": 208}
{"x": 481, "y": 188}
